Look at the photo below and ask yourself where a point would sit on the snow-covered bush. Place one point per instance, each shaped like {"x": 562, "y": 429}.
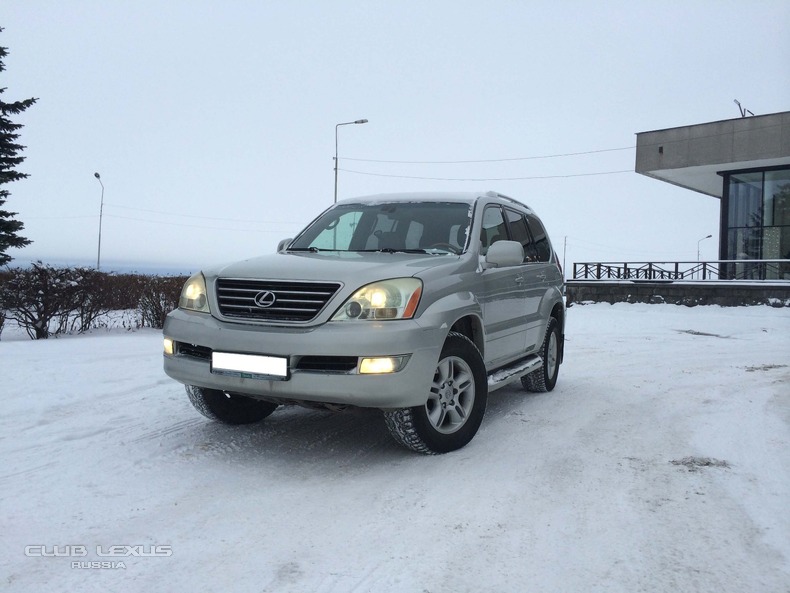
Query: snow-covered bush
{"x": 40, "y": 298}
{"x": 45, "y": 300}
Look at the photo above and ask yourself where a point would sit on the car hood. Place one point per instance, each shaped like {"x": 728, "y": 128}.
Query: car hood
{"x": 347, "y": 267}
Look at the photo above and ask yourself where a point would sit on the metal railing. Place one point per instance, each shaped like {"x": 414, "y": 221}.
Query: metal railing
{"x": 740, "y": 269}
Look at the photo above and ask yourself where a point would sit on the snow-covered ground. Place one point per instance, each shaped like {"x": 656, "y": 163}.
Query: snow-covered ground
{"x": 660, "y": 463}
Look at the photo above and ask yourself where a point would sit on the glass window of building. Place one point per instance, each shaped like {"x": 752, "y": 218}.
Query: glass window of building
{"x": 758, "y": 223}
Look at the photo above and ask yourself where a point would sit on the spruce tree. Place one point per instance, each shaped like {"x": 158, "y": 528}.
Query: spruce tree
{"x": 9, "y": 159}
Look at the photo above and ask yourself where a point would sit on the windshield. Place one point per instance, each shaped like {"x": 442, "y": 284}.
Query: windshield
{"x": 414, "y": 227}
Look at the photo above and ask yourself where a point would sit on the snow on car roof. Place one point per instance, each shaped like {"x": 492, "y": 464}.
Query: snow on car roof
{"x": 461, "y": 197}
{"x": 466, "y": 197}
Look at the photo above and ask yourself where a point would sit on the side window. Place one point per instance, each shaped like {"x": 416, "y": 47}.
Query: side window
{"x": 519, "y": 232}
{"x": 494, "y": 228}
{"x": 542, "y": 246}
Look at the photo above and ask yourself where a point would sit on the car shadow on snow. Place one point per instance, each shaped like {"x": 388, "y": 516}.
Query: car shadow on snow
{"x": 511, "y": 399}
{"x": 293, "y": 433}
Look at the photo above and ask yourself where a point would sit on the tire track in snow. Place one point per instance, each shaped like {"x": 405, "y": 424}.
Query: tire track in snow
{"x": 166, "y": 431}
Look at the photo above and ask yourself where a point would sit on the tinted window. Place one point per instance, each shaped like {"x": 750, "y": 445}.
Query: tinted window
{"x": 519, "y": 232}
{"x": 542, "y": 246}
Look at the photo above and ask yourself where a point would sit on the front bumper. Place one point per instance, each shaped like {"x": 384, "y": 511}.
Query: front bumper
{"x": 197, "y": 335}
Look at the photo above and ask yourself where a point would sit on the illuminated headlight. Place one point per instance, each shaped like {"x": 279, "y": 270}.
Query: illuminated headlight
{"x": 169, "y": 346}
{"x": 382, "y": 364}
{"x": 388, "y": 299}
{"x": 193, "y": 295}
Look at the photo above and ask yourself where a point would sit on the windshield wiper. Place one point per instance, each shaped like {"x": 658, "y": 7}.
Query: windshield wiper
{"x": 391, "y": 250}
{"x": 310, "y": 249}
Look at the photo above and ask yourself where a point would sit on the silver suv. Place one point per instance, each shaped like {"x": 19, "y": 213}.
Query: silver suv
{"x": 417, "y": 304}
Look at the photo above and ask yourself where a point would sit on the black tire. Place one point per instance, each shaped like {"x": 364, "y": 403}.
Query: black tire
{"x": 229, "y": 408}
{"x": 456, "y": 404}
{"x": 545, "y": 378}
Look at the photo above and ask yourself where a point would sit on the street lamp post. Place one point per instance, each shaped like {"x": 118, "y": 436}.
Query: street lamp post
{"x": 700, "y": 241}
{"x": 358, "y": 121}
{"x": 101, "y": 212}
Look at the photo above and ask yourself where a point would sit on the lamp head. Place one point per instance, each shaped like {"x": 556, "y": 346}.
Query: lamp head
{"x": 97, "y": 176}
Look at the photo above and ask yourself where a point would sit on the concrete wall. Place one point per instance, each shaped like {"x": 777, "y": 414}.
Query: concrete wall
{"x": 692, "y": 156}
{"x": 727, "y": 294}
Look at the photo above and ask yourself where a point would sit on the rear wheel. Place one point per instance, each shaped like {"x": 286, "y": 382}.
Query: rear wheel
{"x": 545, "y": 378}
{"x": 456, "y": 402}
{"x": 230, "y": 408}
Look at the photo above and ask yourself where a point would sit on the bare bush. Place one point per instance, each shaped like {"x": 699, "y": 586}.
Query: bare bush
{"x": 40, "y": 298}
{"x": 159, "y": 297}
{"x": 5, "y": 276}
{"x": 45, "y": 300}
{"x": 92, "y": 300}
{"x": 124, "y": 291}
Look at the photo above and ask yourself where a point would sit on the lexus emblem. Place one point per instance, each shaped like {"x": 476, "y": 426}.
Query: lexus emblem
{"x": 265, "y": 299}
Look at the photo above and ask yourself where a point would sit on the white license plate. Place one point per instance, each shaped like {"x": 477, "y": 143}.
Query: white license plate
{"x": 252, "y": 366}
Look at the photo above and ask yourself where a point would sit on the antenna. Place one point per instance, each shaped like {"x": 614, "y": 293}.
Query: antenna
{"x": 742, "y": 109}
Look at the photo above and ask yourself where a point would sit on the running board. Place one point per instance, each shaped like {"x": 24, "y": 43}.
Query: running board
{"x": 506, "y": 375}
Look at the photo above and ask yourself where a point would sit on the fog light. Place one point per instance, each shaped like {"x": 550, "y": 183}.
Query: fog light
{"x": 381, "y": 365}
{"x": 169, "y": 347}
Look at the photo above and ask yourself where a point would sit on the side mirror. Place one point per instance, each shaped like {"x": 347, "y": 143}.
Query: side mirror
{"x": 283, "y": 244}
{"x": 504, "y": 253}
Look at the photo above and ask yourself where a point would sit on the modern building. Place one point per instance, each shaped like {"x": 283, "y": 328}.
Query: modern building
{"x": 745, "y": 162}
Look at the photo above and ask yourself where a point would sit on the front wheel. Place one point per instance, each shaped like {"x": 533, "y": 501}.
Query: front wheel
{"x": 455, "y": 406}
{"x": 545, "y": 378}
{"x": 230, "y": 408}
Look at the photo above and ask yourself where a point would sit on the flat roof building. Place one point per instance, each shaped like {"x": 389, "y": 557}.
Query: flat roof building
{"x": 745, "y": 162}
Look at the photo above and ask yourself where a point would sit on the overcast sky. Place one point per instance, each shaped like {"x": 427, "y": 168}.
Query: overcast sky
{"x": 212, "y": 124}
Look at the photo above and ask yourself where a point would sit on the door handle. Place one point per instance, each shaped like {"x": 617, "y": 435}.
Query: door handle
{"x": 519, "y": 279}
{"x": 542, "y": 276}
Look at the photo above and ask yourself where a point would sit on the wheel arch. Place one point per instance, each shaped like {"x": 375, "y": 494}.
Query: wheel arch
{"x": 457, "y": 312}
{"x": 558, "y": 312}
{"x": 471, "y": 326}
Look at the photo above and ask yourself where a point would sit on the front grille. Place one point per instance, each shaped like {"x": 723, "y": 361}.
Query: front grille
{"x": 288, "y": 301}
{"x": 327, "y": 364}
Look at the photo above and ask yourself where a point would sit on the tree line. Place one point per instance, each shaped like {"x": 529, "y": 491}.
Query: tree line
{"x": 46, "y": 300}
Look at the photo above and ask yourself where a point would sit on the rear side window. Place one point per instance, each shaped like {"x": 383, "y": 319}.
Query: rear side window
{"x": 519, "y": 232}
{"x": 542, "y": 247}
